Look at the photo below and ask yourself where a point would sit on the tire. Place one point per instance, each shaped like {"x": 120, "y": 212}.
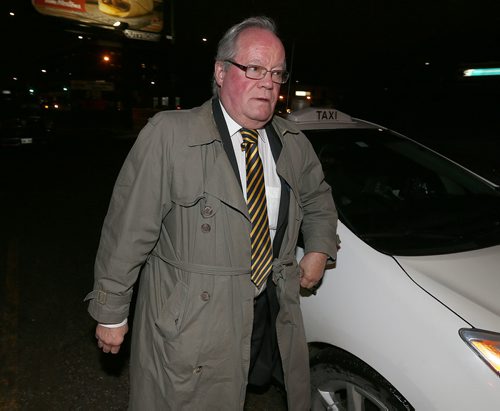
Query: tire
{"x": 342, "y": 382}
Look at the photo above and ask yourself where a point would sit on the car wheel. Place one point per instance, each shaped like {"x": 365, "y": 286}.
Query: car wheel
{"x": 342, "y": 382}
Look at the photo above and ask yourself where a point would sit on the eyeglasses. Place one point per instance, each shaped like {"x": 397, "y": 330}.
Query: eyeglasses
{"x": 259, "y": 72}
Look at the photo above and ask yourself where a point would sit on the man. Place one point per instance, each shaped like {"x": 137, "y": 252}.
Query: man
{"x": 204, "y": 326}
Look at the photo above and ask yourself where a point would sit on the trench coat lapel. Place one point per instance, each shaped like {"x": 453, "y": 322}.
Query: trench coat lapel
{"x": 283, "y": 167}
{"x": 223, "y": 180}
{"x": 222, "y": 183}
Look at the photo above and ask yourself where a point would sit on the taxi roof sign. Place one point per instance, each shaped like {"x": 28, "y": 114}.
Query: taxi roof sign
{"x": 319, "y": 115}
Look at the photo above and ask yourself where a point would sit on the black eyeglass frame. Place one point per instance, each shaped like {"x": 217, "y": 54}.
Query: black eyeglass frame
{"x": 259, "y": 69}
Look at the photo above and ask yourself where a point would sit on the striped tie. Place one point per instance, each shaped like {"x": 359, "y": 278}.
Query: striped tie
{"x": 262, "y": 254}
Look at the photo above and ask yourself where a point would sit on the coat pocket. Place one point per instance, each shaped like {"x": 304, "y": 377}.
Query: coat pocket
{"x": 169, "y": 321}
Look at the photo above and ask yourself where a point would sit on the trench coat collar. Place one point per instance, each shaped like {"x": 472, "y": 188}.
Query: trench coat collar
{"x": 281, "y": 126}
{"x": 208, "y": 124}
{"x": 223, "y": 180}
{"x": 220, "y": 179}
{"x": 226, "y": 137}
{"x": 283, "y": 168}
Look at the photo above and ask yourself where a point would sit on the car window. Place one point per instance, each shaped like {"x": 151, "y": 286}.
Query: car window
{"x": 403, "y": 198}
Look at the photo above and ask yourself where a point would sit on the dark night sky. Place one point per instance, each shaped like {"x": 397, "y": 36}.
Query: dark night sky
{"x": 327, "y": 32}
{"x": 363, "y": 49}
{"x": 344, "y": 32}
{"x": 358, "y": 47}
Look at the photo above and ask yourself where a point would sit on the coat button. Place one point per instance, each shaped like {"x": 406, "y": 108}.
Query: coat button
{"x": 197, "y": 370}
{"x": 205, "y": 296}
{"x": 207, "y": 211}
{"x": 205, "y": 228}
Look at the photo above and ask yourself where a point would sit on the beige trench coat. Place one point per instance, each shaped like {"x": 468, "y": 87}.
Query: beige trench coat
{"x": 177, "y": 212}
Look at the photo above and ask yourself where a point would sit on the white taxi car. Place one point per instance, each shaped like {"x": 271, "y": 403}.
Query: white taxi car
{"x": 409, "y": 318}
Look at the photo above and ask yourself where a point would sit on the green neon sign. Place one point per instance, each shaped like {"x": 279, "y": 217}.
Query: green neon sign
{"x": 493, "y": 71}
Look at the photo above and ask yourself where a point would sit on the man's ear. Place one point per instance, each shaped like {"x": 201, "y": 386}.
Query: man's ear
{"x": 219, "y": 72}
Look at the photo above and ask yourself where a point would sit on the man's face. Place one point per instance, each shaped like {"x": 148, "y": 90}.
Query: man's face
{"x": 251, "y": 102}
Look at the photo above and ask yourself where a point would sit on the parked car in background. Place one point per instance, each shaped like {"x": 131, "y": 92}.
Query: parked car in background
{"x": 409, "y": 317}
{"x": 23, "y": 122}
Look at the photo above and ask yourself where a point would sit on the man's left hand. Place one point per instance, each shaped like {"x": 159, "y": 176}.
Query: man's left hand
{"x": 312, "y": 267}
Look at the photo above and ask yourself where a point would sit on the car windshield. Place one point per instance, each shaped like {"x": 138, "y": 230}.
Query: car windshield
{"x": 404, "y": 199}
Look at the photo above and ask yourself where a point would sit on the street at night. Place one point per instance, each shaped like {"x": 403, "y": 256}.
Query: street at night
{"x": 90, "y": 83}
{"x": 54, "y": 199}
{"x": 53, "y": 202}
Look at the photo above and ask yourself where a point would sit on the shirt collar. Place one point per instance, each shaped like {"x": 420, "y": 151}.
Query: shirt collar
{"x": 234, "y": 128}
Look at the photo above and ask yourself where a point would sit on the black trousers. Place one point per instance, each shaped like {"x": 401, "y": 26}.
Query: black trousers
{"x": 265, "y": 360}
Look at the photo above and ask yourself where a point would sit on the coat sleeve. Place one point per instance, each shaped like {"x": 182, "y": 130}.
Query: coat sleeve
{"x": 132, "y": 225}
{"x": 319, "y": 224}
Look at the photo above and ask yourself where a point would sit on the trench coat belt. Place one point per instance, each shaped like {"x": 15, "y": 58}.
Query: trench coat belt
{"x": 103, "y": 297}
{"x": 203, "y": 268}
{"x": 278, "y": 267}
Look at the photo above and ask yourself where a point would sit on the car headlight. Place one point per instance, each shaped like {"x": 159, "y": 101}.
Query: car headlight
{"x": 485, "y": 344}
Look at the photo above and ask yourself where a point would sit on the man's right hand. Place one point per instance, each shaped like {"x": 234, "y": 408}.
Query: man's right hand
{"x": 110, "y": 339}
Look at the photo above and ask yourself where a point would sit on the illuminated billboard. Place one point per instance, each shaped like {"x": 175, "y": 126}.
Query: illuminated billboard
{"x": 141, "y": 19}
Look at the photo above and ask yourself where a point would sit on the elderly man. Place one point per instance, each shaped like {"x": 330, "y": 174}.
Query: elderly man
{"x": 208, "y": 207}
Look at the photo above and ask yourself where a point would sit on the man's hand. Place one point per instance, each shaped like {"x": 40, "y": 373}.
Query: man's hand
{"x": 110, "y": 339}
{"x": 312, "y": 267}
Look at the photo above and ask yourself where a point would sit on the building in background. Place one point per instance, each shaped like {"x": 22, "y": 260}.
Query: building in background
{"x": 90, "y": 61}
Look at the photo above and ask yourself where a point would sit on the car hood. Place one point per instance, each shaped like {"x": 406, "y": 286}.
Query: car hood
{"x": 467, "y": 283}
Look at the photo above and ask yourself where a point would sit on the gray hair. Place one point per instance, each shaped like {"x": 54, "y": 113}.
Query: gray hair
{"x": 226, "y": 49}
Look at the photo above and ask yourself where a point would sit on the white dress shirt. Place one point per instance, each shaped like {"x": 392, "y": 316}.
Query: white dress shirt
{"x": 271, "y": 179}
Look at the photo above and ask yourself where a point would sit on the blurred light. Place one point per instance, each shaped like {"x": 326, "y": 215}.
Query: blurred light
{"x": 80, "y": 37}
{"x": 106, "y": 58}
{"x": 427, "y": 63}
{"x": 308, "y": 97}
{"x": 44, "y": 71}
{"x": 56, "y": 106}
{"x": 301, "y": 93}
{"x": 121, "y": 25}
{"x": 31, "y": 91}
{"x": 282, "y": 97}
{"x": 14, "y": 78}
{"x": 153, "y": 83}
{"x": 6, "y": 92}
{"x": 65, "y": 88}
{"x": 493, "y": 71}
{"x": 204, "y": 39}
{"x": 12, "y": 14}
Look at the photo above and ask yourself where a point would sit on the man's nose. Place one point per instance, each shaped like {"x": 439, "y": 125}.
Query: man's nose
{"x": 267, "y": 81}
